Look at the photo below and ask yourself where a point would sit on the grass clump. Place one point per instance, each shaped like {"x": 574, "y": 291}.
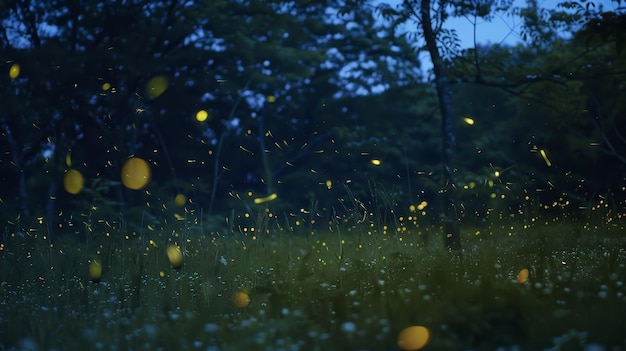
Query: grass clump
{"x": 341, "y": 289}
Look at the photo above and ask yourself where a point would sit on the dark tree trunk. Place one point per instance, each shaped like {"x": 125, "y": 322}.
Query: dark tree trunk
{"x": 449, "y": 216}
{"x": 268, "y": 178}
{"x": 17, "y": 160}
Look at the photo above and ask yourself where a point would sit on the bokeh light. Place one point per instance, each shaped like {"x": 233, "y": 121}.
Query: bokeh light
{"x": 156, "y": 86}
{"x": 14, "y": 71}
{"x": 469, "y": 121}
{"x": 95, "y": 271}
{"x": 135, "y": 173}
{"x": 376, "y": 162}
{"x": 106, "y": 86}
{"x": 73, "y": 181}
{"x": 180, "y": 200}
{"x": 175, "y": 256}
{"x": 240, "y": 299}
{"x": 270, "y": 98}
{"x": 413, "y": 338}
{"x": 522, "y": 276}
{"x": 202, "y": 116}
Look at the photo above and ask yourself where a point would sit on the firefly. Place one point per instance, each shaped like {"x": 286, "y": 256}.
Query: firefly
{"x": 545, "y": 157}
{"x": 260, "y": 200}
{"x": 14, "y": 71}
{"x": 175, "y": 256}
{"x": 522, "y": 276}
{"x": 413, "y": 338}
{"x": 240, "y": 299}
{"x": 95, "y": 271}
{"x": 202, "y": 116}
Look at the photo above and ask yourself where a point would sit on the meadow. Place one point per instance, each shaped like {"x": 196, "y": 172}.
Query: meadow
{"x": 286, "y": 287}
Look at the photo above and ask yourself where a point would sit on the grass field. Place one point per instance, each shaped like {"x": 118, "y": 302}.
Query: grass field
{"x": 346, "y": 288}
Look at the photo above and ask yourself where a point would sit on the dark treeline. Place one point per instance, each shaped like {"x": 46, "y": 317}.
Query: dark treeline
{"x": 323, "y": 104}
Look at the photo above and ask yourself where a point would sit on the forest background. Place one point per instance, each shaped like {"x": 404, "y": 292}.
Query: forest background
{"x": 304, "y": 112}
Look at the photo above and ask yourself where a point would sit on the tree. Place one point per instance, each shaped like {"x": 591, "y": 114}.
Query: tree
{"x": 441, "y": 44}
{"x": 529, "y": 72}
{"x": 297, "y": 66}
{"x": 99, "y": 84}
{"x": 560, "y": 85}
{"x": 90, "y": 91}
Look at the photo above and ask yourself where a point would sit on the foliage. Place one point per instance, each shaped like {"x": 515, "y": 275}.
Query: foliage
{"x": 300, "y": 99}
{"x": 321, "y": 290}
{"x": 312, "y": 183}
{"x": 84, "y": 99}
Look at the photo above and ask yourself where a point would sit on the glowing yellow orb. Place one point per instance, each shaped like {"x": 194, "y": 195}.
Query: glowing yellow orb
{"x": 270, "y": 98}
{"x": 106, "y": 86}
{"x": 202, "y": 116}
{"x": 413, "y": 338}
{"x": 180, "y": 200}
{"x": 95, "y": 270}
{"x": 469, "y": 121}
{"x": 376, "y": 162}
{"x": 135, "y": 173}
{"x": 329, "y": 184}
{"x": 175, "y": 256}
{"x": 73, "y": 181}
{"x": 522, "y": 276}
{"x": 14, "y": 71}
{"x": 240, "y": 299}
{"x": 157, "y": 86}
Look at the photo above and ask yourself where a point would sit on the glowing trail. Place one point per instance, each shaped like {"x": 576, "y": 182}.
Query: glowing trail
{"x": 260, "y": 200}
{"x": 545, "y": 157}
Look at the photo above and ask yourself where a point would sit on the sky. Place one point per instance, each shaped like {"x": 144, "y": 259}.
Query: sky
{"x": 502, "y": 29}
{"x": 505, "y": 30}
